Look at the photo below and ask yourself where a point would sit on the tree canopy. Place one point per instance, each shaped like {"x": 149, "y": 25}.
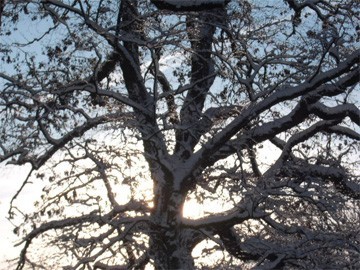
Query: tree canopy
{"x": 132, "y": 112}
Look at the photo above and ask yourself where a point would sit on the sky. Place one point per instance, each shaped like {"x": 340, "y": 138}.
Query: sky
{"x": 11, "y": 176}
{"x": 11, "y": 179}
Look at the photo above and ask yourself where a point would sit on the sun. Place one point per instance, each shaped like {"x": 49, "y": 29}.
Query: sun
{"x": 192, "y": 209}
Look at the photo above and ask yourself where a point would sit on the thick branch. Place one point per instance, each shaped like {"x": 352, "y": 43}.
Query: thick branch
{"x": 189, "y": 5}
{"x": 229, "y": 218}
{"x": 340, "y": 111}
{"x": 233, "y": 245}
{"x": 286, "y": 93}
{"x": 200, "y": 33}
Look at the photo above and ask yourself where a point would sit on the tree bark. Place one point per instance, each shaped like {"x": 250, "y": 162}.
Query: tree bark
{"x": 170, "y": 247}
{"x": 197, "y": 5}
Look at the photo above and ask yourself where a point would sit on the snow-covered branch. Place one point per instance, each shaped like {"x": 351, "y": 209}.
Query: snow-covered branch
{"x": 286, "y": 93}
{"x": 189, "y": 5}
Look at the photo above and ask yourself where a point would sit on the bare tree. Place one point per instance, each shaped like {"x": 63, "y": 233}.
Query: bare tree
{"x": 128, "y": 110}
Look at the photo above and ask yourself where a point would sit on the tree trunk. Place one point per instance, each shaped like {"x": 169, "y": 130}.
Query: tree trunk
{"x": 170, "y": 245}
{"x": 169, "y": 249}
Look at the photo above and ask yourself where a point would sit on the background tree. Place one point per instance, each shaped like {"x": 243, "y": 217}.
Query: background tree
{"x": 129, "y": 110}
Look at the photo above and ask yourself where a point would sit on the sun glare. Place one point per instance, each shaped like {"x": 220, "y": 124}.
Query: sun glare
{"x": 192, "y": 209}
